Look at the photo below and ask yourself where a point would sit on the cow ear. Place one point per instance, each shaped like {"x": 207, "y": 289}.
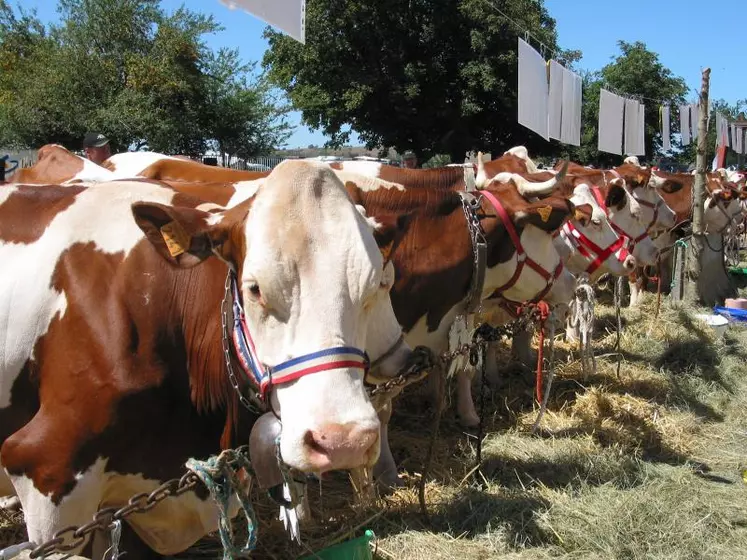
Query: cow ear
{"x": 388, "y": 232}
{"x": 616, "y": 197}
{"x": 548, "y": 214}
{"x": 183, "y": 236}
{"x": 582, "y": 213}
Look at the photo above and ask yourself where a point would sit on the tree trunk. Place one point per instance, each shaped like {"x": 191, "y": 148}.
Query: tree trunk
{"x": 697, "y": 244}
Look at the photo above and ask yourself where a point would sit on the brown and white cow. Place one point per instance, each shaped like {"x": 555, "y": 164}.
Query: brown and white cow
{"x": 434, "y": 260}
{"x": 57, "y": 165}
{"x": 112, "y": 370}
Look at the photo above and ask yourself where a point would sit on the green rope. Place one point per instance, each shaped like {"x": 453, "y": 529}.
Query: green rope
{"x": 218, "y": 474}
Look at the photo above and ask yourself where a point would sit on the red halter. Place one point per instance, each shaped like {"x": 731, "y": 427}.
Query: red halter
{"x": 631, "y": 242}
{"x": 521, "y": 256}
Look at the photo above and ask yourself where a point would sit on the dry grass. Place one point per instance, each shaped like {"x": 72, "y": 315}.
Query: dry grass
{"x": 642, "y": 466}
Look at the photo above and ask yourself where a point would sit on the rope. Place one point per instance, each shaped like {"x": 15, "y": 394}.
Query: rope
{"x": 550, "y": 376}
{"x": 115, "y": 537}
{"x": 618, "y": 297}
{"x": 544, "y": 314}
{"x": 658, "y": 287}
{"x": 582, "y": 319}
{"x": 218, "y": 476}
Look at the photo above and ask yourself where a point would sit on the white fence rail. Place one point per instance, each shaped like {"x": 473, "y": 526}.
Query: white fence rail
{"x": 16, "y": 159}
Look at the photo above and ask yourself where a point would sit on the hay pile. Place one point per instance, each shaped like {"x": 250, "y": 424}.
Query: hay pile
{"x": 647, "y": 465}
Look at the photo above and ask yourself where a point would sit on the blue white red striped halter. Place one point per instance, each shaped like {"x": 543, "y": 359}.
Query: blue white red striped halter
{"x": 263, "y": 377}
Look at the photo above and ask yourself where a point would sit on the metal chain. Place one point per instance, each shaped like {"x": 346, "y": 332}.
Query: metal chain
{"x": 470, "y": 205}
{"x": 225, "y": 307}
{"x": 72, "y": 537}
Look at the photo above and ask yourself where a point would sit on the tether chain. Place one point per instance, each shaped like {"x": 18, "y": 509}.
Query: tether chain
{"x": 225, "y": 307}
{"x": 72, "y": 537}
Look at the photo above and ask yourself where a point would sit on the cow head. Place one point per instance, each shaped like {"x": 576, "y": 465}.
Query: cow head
{"x": 640, "y": 182}
{"x": 310, "y": 278}
{"x": 722, "y": 209}
{"x": 625, "y": 214}
{"x": 595, "y": 227}
{"x": 537, "y": 221}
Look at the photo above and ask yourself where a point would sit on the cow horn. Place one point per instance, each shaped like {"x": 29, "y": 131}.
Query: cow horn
{"x": 528, "y": 189}
{"x": 481, "y": 178}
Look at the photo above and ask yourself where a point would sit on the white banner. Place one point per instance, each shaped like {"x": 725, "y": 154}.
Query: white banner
{"x": 287, "y": 15}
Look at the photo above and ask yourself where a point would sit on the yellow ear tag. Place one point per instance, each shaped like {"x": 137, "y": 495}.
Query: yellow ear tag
{"x": 545, "y": 212}
{"x": 177, "y": 240}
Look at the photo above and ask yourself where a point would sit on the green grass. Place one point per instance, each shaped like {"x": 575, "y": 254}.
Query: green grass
{"x": 647, "y": 466}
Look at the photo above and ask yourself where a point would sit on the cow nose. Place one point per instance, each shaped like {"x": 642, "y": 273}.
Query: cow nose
{"x": 629, "y": 262}
{"x": 341, "y": 446}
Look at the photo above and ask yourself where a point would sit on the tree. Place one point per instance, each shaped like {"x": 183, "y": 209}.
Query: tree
{"x": 134, "y": 72}
{"x": 636, "y": 71}
{"x": 433, "y": 77}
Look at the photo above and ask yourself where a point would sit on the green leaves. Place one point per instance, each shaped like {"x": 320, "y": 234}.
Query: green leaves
{"x": 136, "y": 73}
{"x": 434, "y": 77}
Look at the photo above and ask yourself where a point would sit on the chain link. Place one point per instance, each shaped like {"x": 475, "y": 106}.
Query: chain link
{"x": 225, "y": 306}
{"x": 72, "y": 537}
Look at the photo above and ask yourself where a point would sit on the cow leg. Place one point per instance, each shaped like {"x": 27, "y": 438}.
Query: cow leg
{"x": 8, "y": 498}
{"x": 521, "y": 347}
{"x": 43, "y": 517}
{"x": 385, "y": 469}
{"x": 635, "y": 293}
{"x": 491, "y": 367}
{"x": 465, "y": 405}
{"x": 572, "y": 334}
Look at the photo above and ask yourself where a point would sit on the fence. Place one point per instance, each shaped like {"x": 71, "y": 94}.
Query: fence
{"x": 15, "y": 159}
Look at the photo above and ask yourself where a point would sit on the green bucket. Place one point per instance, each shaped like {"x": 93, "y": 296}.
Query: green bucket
{"x": 738, "y": 270}
{"x": 354, "y": 549}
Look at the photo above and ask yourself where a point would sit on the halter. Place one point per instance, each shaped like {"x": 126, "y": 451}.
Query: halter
{"x": 521, "y": 256}
{"x": 589, "y": 249}
{"x": 629, "y": 239}
{"x": 262, "y": 377}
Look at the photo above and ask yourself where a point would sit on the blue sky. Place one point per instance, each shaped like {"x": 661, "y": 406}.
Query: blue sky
{"x": 685, "y": 41}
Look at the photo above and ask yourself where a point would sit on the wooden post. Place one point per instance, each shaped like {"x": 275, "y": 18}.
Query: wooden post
{"x": 694, "y": 265}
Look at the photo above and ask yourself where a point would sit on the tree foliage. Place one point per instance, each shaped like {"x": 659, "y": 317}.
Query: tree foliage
{"x": 134, "y": 72}
{"x": 436, "y": 77}
{"x": 636, "y": 71}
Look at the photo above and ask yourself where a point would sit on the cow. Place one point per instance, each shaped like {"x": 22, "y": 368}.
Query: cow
{"x": 57, "y": 165}
{"x": 153, "y": 165}
{"x": 428, "y": 292}
{"x": 112, "y": 367}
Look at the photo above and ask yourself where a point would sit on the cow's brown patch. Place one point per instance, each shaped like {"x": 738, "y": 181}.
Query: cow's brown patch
{"x": 195, "y": 172}
{"x": 28, "y": 211}
{"x": 54, "y": 165}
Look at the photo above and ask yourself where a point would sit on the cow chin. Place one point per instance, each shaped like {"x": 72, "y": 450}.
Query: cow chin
{"x": 328, "y": 422}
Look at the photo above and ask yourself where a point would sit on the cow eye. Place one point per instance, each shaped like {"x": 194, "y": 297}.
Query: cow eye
{"x": 254, "y": 290}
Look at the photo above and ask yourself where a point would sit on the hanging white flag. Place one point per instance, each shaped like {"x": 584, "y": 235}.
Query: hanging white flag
{"x": 666, "y": 145}
{"x": 287, "y": 15}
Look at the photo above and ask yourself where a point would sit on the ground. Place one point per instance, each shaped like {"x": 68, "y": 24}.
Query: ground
{"x": 647, "y": 465}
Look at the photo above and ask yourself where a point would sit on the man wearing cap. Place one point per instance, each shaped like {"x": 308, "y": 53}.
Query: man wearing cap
{"x": 409, "y": 160}
{"x": 96, "y": 146}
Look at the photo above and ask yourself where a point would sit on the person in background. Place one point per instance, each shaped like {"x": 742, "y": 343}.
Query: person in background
{"x": 96, "y": 147}
{"x": 409, "y": 160}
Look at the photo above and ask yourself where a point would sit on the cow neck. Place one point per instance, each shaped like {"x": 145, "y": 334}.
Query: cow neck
{"x": 263, "y": 378}
{"x": 590, "y": 250}
{"x": 522, "y": 259}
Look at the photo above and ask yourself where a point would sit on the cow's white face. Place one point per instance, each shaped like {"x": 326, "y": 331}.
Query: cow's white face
{"x": 665, "y": 217}
{"x": 628, "y": 215}
{"x": 721, "y": 212}
{"x": 311, "y": 278}
{"x": 598, "y": 230}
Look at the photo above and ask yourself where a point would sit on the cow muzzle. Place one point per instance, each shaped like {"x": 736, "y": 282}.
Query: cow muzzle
{"x": 341, "y": 446}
